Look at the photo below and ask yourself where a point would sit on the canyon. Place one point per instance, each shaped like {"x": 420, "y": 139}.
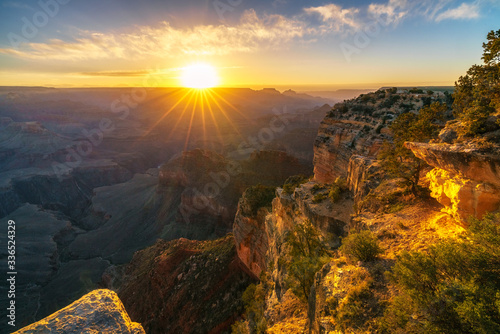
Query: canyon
{"x": 195, "y": 285}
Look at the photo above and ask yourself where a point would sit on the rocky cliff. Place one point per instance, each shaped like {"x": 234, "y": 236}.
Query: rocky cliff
{"x": 346, "y": 295}
{"x": 257, "y": 236}
{"x": 362, "y": 176}
{"x": 250, "y": 237}
{"x": 337, "y": 141}
{"x": 358, "y": 127}
{"x": 466, "y": 180}
{"x": 99, "y": 311}
{"x": 185, "y": 286}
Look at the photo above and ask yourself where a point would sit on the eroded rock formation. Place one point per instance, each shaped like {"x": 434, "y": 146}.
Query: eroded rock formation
{"x": 465, "y": 180}
{"x": 99, "y": 311}
{"x": 185, "y": 286}
{"x": 337, "y": 141}
{"x": 361, "y": 176}
{"x": 251, "y": 239}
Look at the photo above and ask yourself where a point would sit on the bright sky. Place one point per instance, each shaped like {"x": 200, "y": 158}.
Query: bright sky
{"x": 340, "y": 44}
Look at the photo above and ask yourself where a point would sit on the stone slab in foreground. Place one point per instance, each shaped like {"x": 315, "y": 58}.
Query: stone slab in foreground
{"x": 99, "y": 311}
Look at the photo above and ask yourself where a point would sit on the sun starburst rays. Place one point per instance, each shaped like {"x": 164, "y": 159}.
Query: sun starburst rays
{"x": 199, "y": 118}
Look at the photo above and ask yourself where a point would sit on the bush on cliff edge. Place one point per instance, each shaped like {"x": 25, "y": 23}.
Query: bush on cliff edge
{"x": 453, "y": 287}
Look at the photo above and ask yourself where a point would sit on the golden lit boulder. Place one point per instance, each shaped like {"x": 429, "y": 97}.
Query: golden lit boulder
{"x": 99, "y": 311}
{"x": 465, "y": 178}
{"x": 463, "y": 197}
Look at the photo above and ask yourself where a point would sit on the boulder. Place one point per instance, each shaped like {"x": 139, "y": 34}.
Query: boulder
{"x": 99, "y": 311}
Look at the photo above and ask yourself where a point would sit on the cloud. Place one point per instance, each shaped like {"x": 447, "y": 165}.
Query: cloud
{"x": 335, "y": 17}
{"x": 391, "y": 13}
{"x": 250, "y": 34}
{"x": 464, "y": 11}
{"x": 17, "y": 5}
{"x": 277, "y": 3}
{"x": 116, "y": 73}
{"x": 429, "y": 9}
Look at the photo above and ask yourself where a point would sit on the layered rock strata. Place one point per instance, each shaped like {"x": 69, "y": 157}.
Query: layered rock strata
{"x": 465, "y": 181}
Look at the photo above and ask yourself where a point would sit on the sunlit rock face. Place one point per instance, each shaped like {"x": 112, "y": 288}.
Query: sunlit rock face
{"x": 463, "y": 197}
{"x": 251, "y": 239}
{"x": 99, "y": 311}
{"x": 358, "y": 127}
{"x": 465, "y": 180}
{"x": 337, "y": 141}
{"x": 361, "y": 176}
{"x": 469, "y": 162}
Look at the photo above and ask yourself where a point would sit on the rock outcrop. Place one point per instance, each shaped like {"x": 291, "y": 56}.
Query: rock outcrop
{"x": 185, "y": 286}
{"x": 358, "y": 127}
{"x": 99, "y": 311}
{"x": 337, "y": 141}
{"x": 251, "y": 239}
{"x": 472, "y": 163}
{"x": 361, "y": 176}
{"x": 465, "y": 180}
{"x": 259, "y": 238}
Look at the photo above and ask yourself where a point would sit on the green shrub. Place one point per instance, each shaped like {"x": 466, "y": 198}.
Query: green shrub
{"x": 254, "y": 321}
{"x": 336, "y": 189}
{"x": 308, "y": 254}
{"x": 257, "y": 197}
{"x": 318, "y": 198}
{"x": 396, "y": 207}
{"x": 334, "y": 193}
{"x": 317, "y": 187}
{"x": 361, "y": 246}
{"x": 353, "y": 312}
{"x": 293, "y": 182}
{"x": 453, "y": 287}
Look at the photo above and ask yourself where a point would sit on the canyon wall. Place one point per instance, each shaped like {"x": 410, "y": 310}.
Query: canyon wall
{"x": 465, "y": 180}
{"x": 185, "y": 286}
{"x": 358, "y": 127}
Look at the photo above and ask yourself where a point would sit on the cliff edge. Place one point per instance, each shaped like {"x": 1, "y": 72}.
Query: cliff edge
{"x": 465, "y": 179}
{"x": 99, "y": 311}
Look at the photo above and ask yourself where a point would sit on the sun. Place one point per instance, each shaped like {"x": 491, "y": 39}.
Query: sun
{"x": 199, "y": 76}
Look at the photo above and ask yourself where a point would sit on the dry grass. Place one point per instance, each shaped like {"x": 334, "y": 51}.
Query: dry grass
{"x": 414, "y": 227}
{"x": 290, "y": 316}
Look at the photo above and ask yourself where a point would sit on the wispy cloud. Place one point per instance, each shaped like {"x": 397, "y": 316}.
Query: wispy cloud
{"x": 116, "y": 73}
{"x": 335, "y": 17}
{"x": 390, "y": 13}
{"x": 250, "y": 34}
{"x": 464, "y": 11}
{"x": 17, "y": 5}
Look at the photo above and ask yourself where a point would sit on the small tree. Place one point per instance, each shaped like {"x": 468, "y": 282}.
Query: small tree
{"x": 308, "y": 254}
{"x": 477, "y": 94}
{"x": 254, "y": 321}
{"x": 491, "y": 53}
{"x": 397, "y": 160}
